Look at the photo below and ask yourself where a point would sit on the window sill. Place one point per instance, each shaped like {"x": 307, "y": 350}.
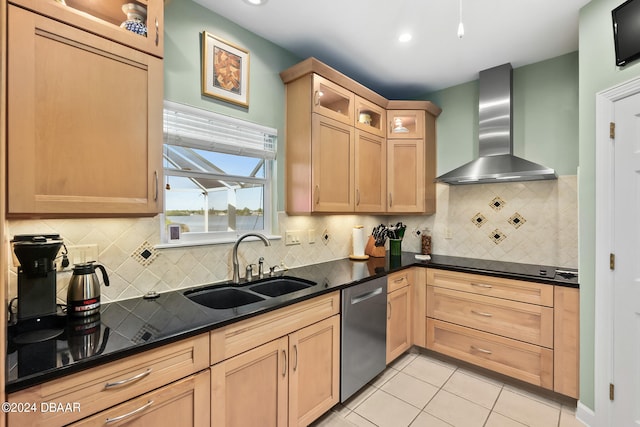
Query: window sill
{"x": 221, "y": 241}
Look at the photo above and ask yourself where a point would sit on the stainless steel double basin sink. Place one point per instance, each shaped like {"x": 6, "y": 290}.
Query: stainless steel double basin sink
{"x": 231, "y": 296}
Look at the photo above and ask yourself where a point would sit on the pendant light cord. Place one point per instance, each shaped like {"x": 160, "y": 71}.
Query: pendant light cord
{"x": 460, "y": 25}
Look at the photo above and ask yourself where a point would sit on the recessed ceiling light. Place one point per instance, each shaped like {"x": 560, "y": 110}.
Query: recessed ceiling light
{"x": 255, "y": 2}
{"x": 404, "y": 37}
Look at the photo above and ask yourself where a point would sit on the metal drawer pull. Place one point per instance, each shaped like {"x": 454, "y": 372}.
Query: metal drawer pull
{"x": 481, "y": 350}
{"x": 482, "y": 313}
{"x": 295, "y": 350}
{"x": 317, "y": 194}
{"x": 135, "y": 411}
{"x": 284, "y": 365}
{"x": 157, "y": 32}
{"x": 482, "y": 285}
{"x": 389, "y": 316}
{"x": 120, "y": 383}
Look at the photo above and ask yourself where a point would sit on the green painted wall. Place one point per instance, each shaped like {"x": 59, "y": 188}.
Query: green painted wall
{"x": 597, "y": 73}
{"x": 545, "y": 117}
{"x": 184, "y": 23}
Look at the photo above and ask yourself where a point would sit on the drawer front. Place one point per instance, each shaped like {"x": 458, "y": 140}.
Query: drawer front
{"x": 525, "y": 322}
{"x": 516, "y": 290}
{"x": 97, "y": 389}
{"x": 239, "y": 337}
{"x": 399, "y": 279}
{"x": 516, "y": 359}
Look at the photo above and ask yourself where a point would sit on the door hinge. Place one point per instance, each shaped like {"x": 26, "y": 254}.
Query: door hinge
{"x": 612, "y": 130}
{"x": 611, "y": 391}
{"x": 612, "y": 261}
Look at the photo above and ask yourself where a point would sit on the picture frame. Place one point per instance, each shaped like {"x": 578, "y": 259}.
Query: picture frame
{"x": 225, "y": 70}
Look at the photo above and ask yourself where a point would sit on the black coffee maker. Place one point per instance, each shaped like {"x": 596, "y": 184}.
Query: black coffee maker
{"x": 36, "y": 280}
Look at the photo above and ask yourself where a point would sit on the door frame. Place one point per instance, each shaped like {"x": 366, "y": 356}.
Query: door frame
{"x": 604, "y": 296}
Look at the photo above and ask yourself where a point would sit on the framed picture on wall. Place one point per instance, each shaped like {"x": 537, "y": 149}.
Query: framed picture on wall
{"x": 225, "y": 70}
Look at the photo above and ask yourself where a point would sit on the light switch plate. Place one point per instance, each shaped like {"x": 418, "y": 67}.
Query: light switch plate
{"x": 292, "y": 237}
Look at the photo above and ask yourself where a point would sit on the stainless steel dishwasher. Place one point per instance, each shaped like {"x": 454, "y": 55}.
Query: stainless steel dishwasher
{"x": 363, "y": 335}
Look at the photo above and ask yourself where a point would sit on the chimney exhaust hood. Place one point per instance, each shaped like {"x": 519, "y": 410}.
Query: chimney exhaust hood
{"x": 496, "y": 162}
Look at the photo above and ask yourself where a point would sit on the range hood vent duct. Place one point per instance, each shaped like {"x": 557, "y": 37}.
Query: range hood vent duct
{"x": 496, "y": 162}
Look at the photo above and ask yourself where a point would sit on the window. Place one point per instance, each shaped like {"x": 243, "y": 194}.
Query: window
{"x": 218, "y": 173}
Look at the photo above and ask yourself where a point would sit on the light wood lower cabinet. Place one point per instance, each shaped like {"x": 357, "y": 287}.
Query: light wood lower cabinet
{"x": 399, "y": 313}
{"x": 289, "y": 381}
{"x": 183, "y": 403}
{"x": 112, "y": 384}
{"x": 527, "y": 330}
{"x": 277, "y": 369}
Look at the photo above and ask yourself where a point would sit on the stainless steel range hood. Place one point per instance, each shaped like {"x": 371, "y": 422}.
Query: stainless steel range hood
{"x": 496, "y": 162}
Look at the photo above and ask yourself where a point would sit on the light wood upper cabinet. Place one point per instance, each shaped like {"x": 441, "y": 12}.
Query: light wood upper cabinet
{"x": 370, "y": 117}
{"x": 104, "y": 19}
{"x": 332, "y": 101}
{"x": 405, "y": 124}
{"x": 313, "y": 89}
{"x": 405, "y": 175}
{"x": 84, "y": 122}
{"x": 370, "y": 172}
{"x": 332, "y": 160}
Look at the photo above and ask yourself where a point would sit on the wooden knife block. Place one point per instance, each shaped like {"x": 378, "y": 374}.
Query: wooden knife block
{"x": 372, "y": 250}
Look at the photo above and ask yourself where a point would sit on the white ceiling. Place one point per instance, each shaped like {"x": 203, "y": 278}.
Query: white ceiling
{"x": 360, "y": 37}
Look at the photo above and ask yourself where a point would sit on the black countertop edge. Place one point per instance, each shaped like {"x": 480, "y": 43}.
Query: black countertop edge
{"x": 330, "y": 276}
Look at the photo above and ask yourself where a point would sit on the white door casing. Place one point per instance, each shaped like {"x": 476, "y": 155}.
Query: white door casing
{"x": 617, "y": 326}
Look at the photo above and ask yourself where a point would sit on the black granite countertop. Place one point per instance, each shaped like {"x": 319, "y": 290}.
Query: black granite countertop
{"x": 127, "y": 327}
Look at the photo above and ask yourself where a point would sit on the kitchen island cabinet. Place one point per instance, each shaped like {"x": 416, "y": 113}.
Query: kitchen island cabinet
{"x": 273, "y": 379}
{"x": 84, "y": 128}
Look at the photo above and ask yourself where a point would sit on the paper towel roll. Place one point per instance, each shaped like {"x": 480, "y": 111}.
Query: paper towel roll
{"x": 358, "y": 240}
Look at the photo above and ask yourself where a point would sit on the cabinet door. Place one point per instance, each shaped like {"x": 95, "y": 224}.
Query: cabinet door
{"x": 370, "y": 117}
{"x": 84, "y": 122}
{"x": 370, "y": 172}
{"x": 405, "y": 175}
{"x": 314, "y": 381}
{"x": 398, "y": 322}
{"x": 332, "y": 100}
{"x": 251, "y": 389}
{"x": 566, "y": 341}
{"x": 183, "y": 403}
{"x": 332, "y": 171}
{"x": 405, "y": 124}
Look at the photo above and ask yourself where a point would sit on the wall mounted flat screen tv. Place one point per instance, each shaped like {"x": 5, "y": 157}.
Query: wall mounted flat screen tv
{"x": 626, "y": 31}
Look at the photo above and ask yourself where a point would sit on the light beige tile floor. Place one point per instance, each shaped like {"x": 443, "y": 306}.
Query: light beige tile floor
{"x": 418, "y": 390}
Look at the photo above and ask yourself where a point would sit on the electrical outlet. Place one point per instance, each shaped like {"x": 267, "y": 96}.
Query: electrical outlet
{"x": 312, "y": 235}
{"x": 448, "y": 234}
{"x": 325, "y": 236}
{"x": 292, "y": 237}
{"x": 79, "y": 254}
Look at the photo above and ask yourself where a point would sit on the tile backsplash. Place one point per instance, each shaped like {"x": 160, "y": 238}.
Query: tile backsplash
{"x": 530, "y": 222}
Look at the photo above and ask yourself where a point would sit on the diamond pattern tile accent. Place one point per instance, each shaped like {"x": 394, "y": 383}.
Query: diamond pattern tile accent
{"x": 497, "y": 236}
{"x": 145, "y": 254}
{"x": 517, "y": 220}
{"x": 497, "y": 203}
{"x": 479, "y": 220}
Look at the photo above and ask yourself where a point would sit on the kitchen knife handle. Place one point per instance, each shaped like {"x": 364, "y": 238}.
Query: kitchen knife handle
{"x": 129, "y": 414}
{"x": 284, "y": 365}
{"x": 140, "y": 376}
{"x": 482, "y": 313}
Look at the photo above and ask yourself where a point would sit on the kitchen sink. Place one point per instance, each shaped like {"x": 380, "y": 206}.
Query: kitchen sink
{"x": 223, "y": 298}
{"x": 280, "y": 286}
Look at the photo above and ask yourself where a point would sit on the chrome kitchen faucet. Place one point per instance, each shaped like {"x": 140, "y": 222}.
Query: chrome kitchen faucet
{"x": 236, "y": 266}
